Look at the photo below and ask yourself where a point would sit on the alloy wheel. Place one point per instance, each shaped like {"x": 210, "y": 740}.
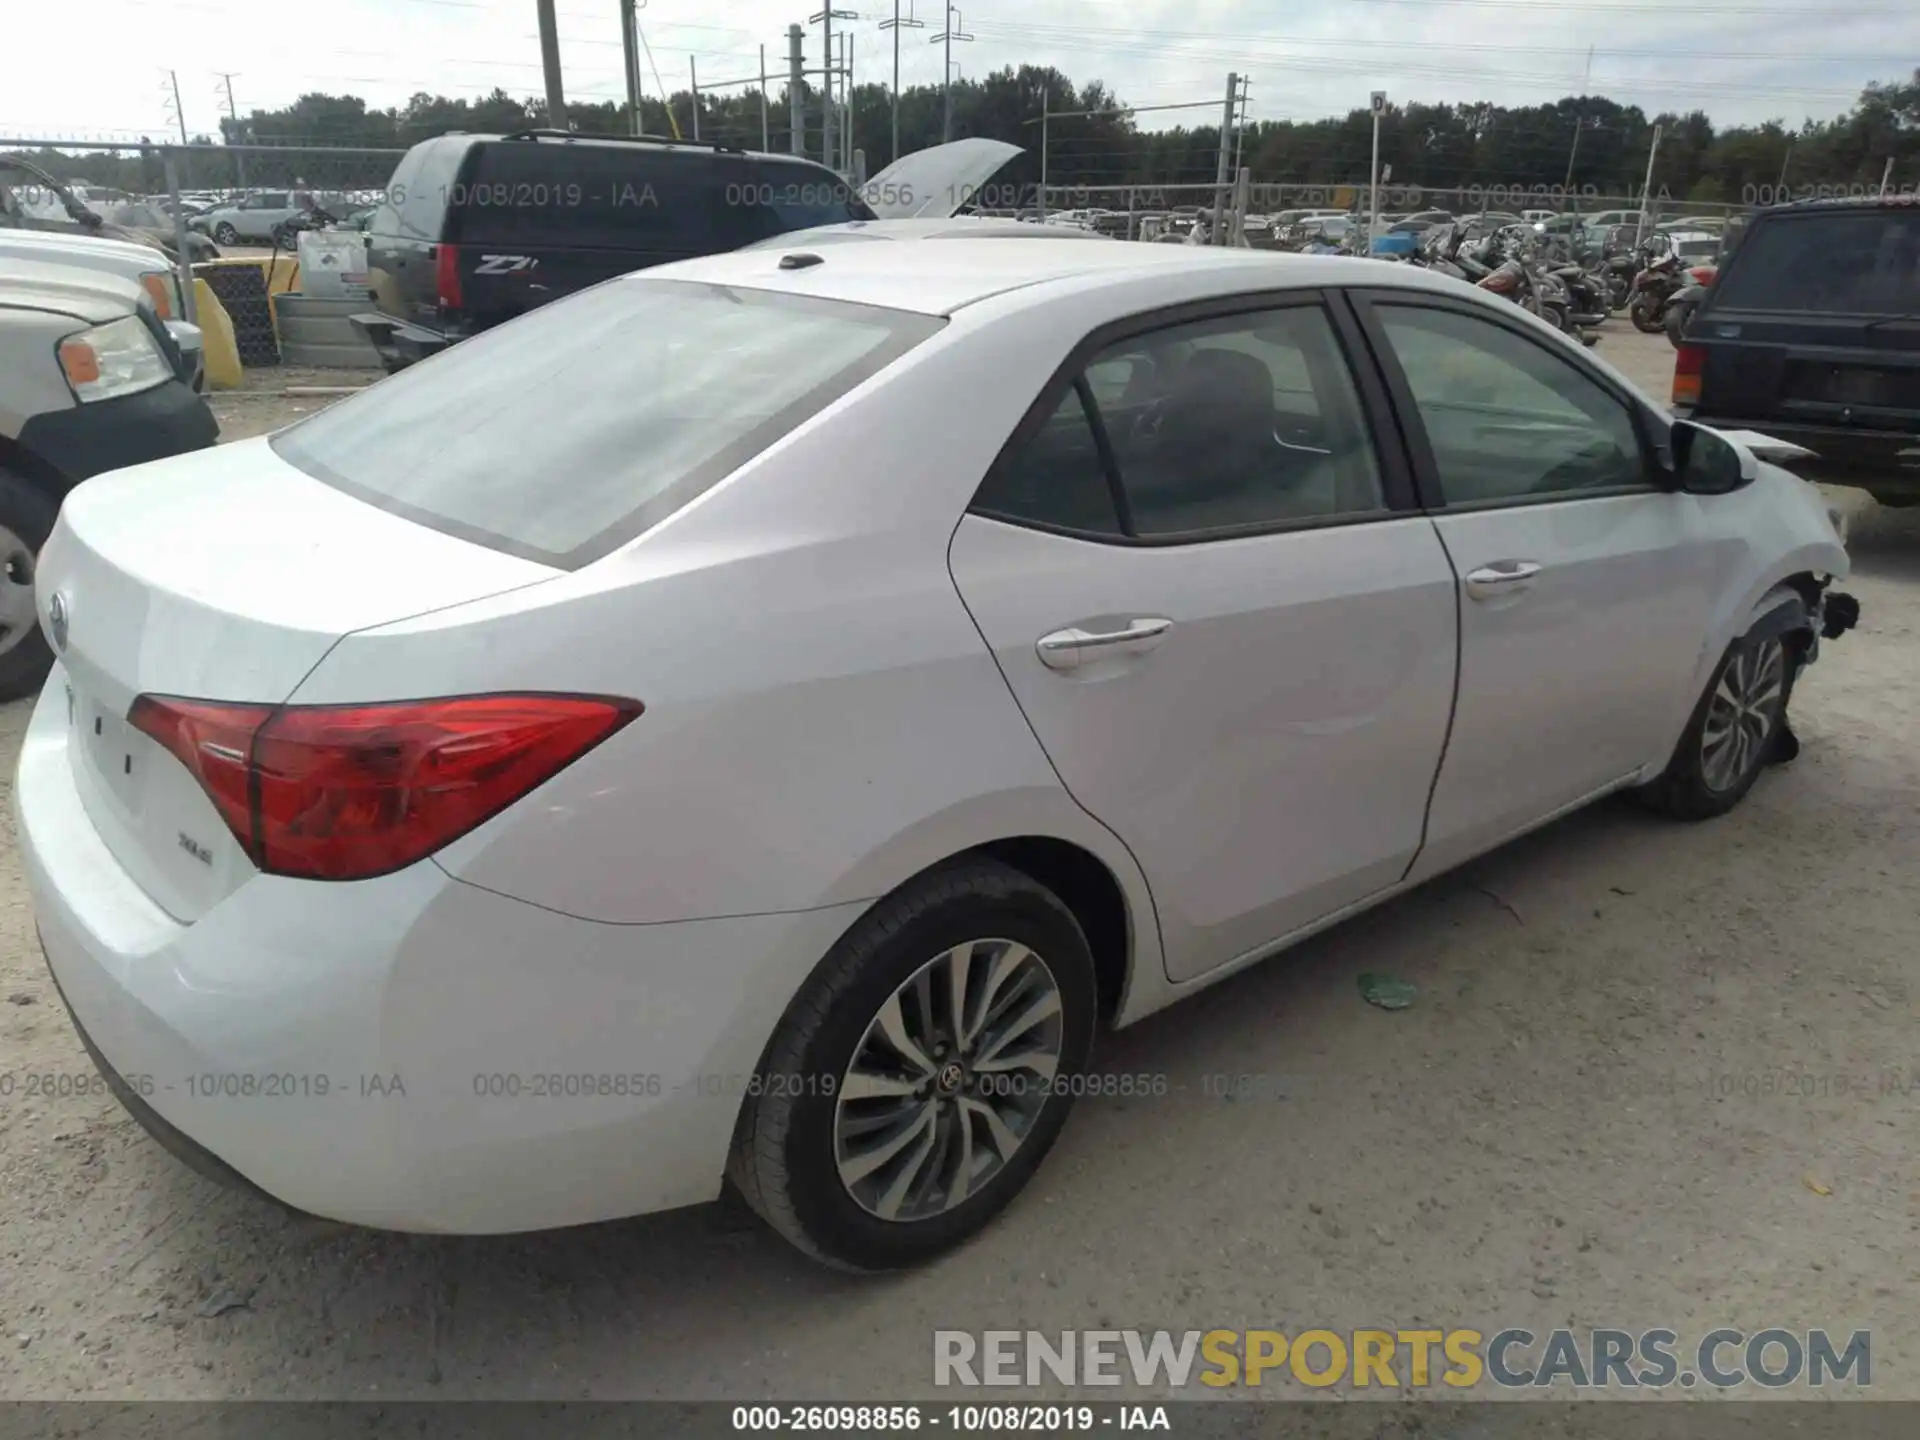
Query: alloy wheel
{"x": 18, "y": 616}
{"x": 1742, "y": 715}
{"x": 948, "y": 1080}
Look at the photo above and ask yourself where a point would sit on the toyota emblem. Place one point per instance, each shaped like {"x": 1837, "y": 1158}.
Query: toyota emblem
{"x": 57, "y": 620}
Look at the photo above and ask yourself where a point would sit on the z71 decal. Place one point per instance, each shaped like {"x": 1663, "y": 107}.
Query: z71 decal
{"x": 505, "y": 264}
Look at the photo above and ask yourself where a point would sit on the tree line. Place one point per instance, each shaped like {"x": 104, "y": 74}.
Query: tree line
{"x": 1589, "y": 144}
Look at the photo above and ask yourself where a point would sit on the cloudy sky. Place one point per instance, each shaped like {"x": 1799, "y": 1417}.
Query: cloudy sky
{"x": 99, "y": 68}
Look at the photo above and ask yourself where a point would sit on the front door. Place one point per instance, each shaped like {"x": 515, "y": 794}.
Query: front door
{"x": 1585, "y": 587}
{"x": 1223, "y": 617}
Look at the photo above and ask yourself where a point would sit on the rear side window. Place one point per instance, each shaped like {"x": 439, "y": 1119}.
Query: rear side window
{"x": 1843, "y": 262}
{"x": 592, "y": 197}
{"x": 414, "y": 201}
{"x": 565, "y": 433}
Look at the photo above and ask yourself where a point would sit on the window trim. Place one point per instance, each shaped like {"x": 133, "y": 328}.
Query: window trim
{"x": 1391, "y": 459}
{"x": 1367, "y": 302}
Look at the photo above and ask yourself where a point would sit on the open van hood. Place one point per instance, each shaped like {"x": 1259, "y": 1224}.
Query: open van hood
{"x": 938, "y": 181}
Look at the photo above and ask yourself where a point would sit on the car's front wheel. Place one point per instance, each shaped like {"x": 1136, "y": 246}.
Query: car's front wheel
{"x": 226, "y": 234}
{"x": 1736, "y": 730}
{"x": 923, "y": 1072}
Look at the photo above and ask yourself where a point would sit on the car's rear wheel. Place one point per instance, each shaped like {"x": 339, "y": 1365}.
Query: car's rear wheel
{"x": 26, "y": 519}
{"x": 1736, "y": 730}
{"x": 923, "y": 1072}
{"x": 225, "y": 234}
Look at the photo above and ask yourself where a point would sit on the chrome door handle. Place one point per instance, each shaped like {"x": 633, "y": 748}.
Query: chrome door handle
{"x": 1064, "y": 649}
{"x": 1503, "y": 577}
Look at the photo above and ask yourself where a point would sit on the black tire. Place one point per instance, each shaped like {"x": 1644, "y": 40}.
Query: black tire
{"x": 1555, "y": 314}
{"x": 28, "y": 512}
{"x": 1645, "y": 315}
{"x": 1684, "y": 791}
{"x": 1676, "y": 323}
{"x": 225, "y": 234}
{"x": 784, "y": 1152}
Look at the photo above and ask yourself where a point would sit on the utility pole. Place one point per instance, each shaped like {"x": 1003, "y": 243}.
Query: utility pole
{"x": 1221, "y": 170}
{"x": 550, "y": 64}
{"x": 1046, "y": 104}
{"x": 1646, "y": 190}
{"x": 1579, "y": 124}
{"x": 846, "y": 89}
{"x": 630, "y": 53}
{"x": 764, "y": 144}
{"x": 233, "y": 114}
{"x": 179, "y": 113}
{"x": 1785, "y": 160}
{"x": 796, "y": 86}
{"x": 829, "y": 151}
{"x": 1373, "y": 178}
{"x": 897, "y": 25}
{"x": 693, "y": 79}
{"x": 1240, "y": 128}
{"x": 1886, "y": 177}
{"x": 946, "y": 37}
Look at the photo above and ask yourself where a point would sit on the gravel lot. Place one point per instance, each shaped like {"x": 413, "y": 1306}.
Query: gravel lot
{"x": 1508, "y": 1151}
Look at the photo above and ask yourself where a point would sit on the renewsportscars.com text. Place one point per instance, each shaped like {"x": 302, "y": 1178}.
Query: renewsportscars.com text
{"x": 1457, "y": 1359}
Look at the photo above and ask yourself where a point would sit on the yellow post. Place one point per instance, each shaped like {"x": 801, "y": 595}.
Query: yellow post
{"x": 224, "y": 371}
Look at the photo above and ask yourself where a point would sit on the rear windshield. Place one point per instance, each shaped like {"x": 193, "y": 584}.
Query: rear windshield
{"x": 1843, "y": 262}
{"x": 568, "y": 431}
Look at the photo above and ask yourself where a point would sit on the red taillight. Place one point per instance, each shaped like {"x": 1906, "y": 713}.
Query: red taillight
{"x": 346, "y": 792}
{"x": 446, "y": 276}
{"x": 1688, "y": 361}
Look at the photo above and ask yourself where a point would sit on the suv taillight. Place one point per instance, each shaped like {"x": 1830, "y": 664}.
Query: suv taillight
{"x": 446, "y": 276}
{"x": 347, "y": 792}
{"x": 1688, "y": 361}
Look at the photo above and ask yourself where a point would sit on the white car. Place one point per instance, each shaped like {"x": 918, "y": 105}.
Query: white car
{"x": 766, "y": 715}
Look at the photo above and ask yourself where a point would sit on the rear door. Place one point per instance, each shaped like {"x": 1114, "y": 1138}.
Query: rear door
{"x": 535, "y": 220}
{"x": 1585, "y": 589}
{"x": 1813, "y": 328}
{"x": 1207, "y": 586}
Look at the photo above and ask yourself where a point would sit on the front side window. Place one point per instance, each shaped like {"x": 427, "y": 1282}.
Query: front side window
{"x": 1507, "y": 420}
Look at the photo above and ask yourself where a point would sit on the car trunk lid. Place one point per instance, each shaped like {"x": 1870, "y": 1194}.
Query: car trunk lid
{"x": 220, "y": 576}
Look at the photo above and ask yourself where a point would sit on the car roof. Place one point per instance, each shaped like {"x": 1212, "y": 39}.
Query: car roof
{"x": 928, "y": 227}
{"x": 68, "y": 290}
{"x": 940, "y": 279}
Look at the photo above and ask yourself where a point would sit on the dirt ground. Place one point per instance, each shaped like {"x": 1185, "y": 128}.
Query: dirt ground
{"x": 1580, "y": 1121}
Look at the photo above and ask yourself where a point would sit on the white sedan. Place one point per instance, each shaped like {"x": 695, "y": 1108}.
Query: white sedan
{"x": 763, "y": 717}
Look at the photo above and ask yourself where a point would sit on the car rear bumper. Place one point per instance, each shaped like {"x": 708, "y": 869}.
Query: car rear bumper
{"x": 412, "y": 1052}
{"x": 398, "y": 343}
{"x": 89, "y": 439}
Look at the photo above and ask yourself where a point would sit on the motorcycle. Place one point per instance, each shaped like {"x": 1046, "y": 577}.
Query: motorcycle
{"x": 1686, "y": 300}
{"x": 1517, "y": 274}
{"x": 1656, "y": 283}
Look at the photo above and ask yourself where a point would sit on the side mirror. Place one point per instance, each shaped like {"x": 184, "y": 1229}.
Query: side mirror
{"x": 1705, "y": 462}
